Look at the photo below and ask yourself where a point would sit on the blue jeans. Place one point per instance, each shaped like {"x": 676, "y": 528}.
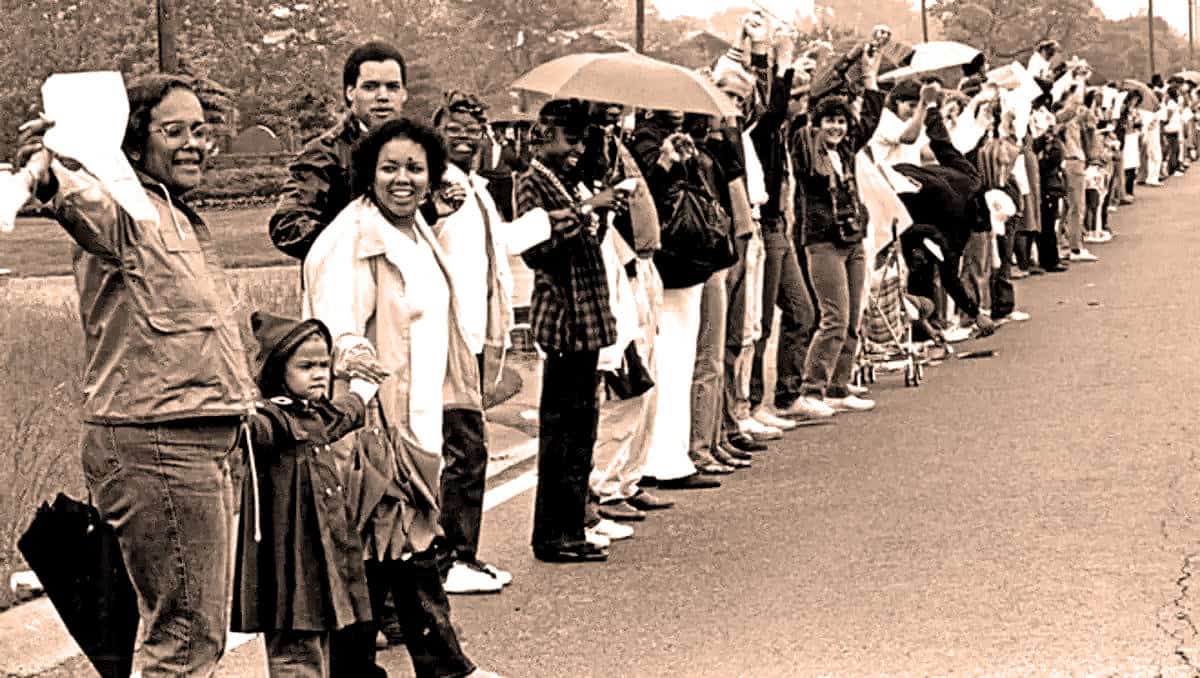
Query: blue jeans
{"x": 708, "y": 376}
{"x": 167, "y": 491}
{"x": 783, "y": 285}
{"x": 838, "y": 274}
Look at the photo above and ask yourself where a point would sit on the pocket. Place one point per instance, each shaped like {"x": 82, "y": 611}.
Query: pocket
{"x": 171, "y": 275}
{"x": 100, "y": 459}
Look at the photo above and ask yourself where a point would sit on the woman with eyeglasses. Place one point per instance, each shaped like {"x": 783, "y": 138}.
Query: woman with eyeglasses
{"x": 166, "y": 381}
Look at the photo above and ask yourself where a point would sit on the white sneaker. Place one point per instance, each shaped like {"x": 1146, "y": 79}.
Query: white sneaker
{"x": 1097, "y": 237}
{"x": 612, "y": 530}
{"x": 504, "y": 577}
{"x": 758, "y": 430}
{"x": 1084, "y": 255}
{"x": 464, "y": 578}
{"x": 1019, "y": 316}
{"x": 850, "y": 403}
{"x": 596, "y": 539}
{"x": 856, "y": 390}
{"x": 765, "y": 418}
{"x": 954, "y": 335}
{"x": 807, "y": 407}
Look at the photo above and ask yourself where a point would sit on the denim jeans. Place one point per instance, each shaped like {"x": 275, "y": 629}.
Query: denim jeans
{"x": 783, "y": 284}
{"x": 838, "y": 275}
{"x": 708, "y": 375}
{"x": 167, "y": 491}
{"x": 1075, "y": 174}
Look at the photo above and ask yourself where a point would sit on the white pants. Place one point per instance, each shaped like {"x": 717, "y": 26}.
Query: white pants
{"x": 678, "y": 330}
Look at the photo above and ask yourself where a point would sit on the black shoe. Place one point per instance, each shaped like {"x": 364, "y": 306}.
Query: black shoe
{"x": 621, "y": 511}
{"x": 734, "y": 452}
{"x": 648, "y": 481}
{"x": 745, "y": 443}
{"x": 1057, "y": 269}
{"x": 579, "y": 552}
{"x": 648, "y": 502}
{"x": 715, "y": 468}
{"x": 729, "y": 460}
{"x": 695, "y": 481}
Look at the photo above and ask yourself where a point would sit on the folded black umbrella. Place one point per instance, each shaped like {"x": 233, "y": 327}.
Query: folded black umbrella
{"x": 75, "y": 555}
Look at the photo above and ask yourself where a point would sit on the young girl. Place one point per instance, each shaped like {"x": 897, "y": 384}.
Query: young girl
{"x": 300, "y": 572}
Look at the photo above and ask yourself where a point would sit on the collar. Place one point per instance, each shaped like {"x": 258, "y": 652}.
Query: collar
{"x": 378, "y": 237}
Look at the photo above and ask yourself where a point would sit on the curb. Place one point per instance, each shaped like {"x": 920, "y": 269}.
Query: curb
{"x": 34, "y": 641}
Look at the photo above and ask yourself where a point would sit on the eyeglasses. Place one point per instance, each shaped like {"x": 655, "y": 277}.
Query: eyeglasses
{"x": 456, "y": 130}
{"x": 178, "y": 132}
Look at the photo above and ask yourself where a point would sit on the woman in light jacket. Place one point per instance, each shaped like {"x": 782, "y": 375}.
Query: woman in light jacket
{"x": 377, "y": 278}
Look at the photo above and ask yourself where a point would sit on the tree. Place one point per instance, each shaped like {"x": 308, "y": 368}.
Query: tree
{"x": 1005, "y": 30}
{"x": 525, "y": 33}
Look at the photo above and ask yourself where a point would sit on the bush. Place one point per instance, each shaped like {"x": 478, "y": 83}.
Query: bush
{"x": 264, "y": 181}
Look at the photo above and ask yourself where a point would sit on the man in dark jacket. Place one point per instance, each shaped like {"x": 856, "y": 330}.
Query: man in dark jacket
{"x": 374, "y": 87}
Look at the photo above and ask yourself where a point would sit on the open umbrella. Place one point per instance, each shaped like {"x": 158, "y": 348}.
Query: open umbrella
{"x": 1191, "y": 76}
{"x": 629, "y": 79}
{"x": 933, "y": 56}
{"x": 1149, "y": 98}
{"x": 75, "y": 555}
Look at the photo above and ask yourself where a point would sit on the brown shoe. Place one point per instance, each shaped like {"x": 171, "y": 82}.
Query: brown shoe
{"x": 620, "y": 511}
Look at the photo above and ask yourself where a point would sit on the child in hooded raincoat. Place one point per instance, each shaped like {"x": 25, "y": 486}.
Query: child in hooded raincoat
{"x": 300, "y": 573}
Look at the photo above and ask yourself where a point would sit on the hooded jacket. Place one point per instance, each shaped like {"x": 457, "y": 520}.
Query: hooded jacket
{"x": 160, "y": 336}
{"x": 306, "y": 573}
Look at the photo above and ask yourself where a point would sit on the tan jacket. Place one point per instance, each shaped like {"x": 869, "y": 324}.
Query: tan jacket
{"x": 356, "y": 286}
{"x": 160, "y": 334}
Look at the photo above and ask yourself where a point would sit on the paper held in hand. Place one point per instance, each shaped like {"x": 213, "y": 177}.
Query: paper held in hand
{"x": 90, "y": 111}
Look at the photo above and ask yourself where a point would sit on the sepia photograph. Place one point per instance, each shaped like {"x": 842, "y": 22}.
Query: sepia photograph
{"x": 598, "y": 338}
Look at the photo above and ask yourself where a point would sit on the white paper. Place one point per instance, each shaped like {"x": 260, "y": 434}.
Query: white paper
{"x": 90, "y": 111}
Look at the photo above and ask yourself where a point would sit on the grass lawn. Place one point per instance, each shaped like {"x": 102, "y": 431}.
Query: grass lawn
{"x": 39, "y": 247}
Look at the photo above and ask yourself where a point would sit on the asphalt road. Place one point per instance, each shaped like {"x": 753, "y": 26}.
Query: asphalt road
{"x": 1025, "y": 514}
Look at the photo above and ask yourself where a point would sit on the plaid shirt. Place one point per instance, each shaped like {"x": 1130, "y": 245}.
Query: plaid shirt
{"x": 570, "y": 310}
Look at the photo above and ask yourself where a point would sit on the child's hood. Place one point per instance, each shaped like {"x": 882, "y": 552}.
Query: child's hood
{"x": 277, "y": 338}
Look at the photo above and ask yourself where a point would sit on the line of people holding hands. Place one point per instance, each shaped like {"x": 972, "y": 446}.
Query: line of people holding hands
{"x": 660, "y": 251}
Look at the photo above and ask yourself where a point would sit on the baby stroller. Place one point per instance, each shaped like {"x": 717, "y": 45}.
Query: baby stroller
{"x": 887, "y": 343}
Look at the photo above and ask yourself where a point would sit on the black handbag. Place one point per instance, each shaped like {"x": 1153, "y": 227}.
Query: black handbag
{"x": 696, "y": 241}
{"x": 630, "y": 380}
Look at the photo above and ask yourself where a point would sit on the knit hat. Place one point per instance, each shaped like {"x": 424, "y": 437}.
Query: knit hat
{"x": 457, "y": 101}
{"x": 278, "y": 337}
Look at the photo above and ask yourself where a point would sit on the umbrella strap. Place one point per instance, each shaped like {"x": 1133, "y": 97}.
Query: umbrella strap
{"x": 245, "y": 431}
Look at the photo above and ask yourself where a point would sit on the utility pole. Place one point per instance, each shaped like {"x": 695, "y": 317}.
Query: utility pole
{"x": 168, "y": 55}
{"x": 1150, "y": 23}
{"x": 640, "y": 38}
{"x": 924, "y": 22}
{"x": 1192, "y": 45}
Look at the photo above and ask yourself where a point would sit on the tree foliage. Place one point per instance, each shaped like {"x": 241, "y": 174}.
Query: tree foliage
{"x": 1005, "y": 30}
